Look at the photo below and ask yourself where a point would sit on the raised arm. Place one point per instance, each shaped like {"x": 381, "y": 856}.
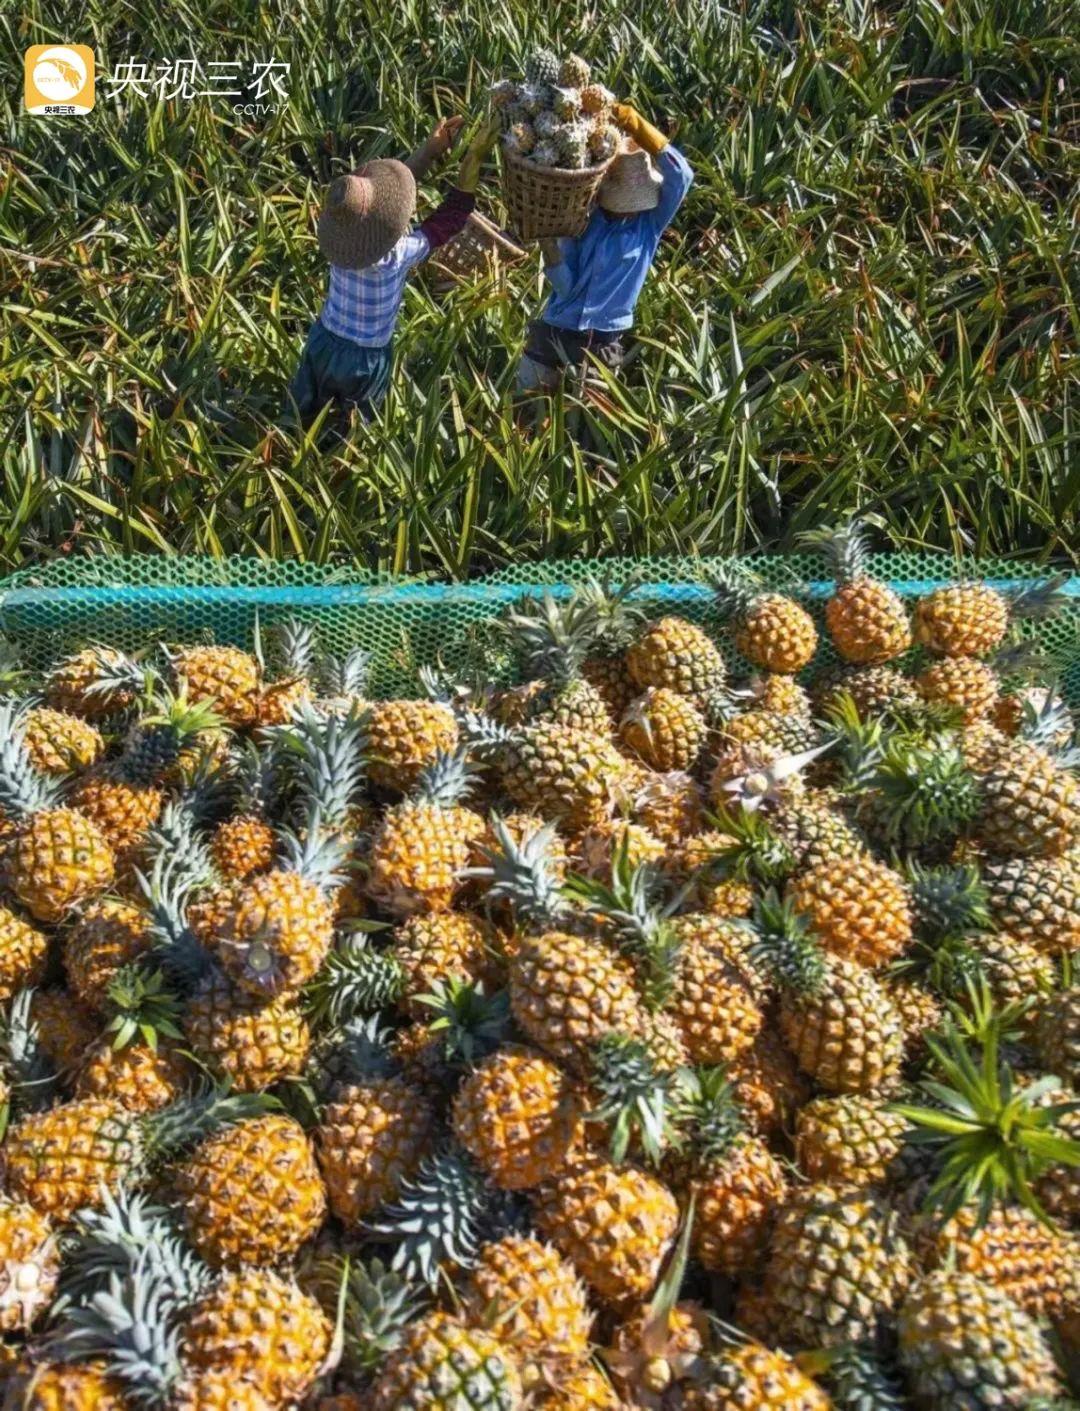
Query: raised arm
{"x": 435, "y": 146}
{"x": 676, "y": 171}
{"x": 454, "y": 210}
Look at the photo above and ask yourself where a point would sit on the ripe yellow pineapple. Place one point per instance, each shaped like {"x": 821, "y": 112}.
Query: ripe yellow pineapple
{"x": 968, "y": 684}
{"x": 519, "y": 1116}
{"x": 403, "y": 738}
{"x": 769, "y": 1086}
{"x": 576, "y": 1388}
{"x": 677, "y": 654}
{"x": 566, "y": 991}
{"x": 1030, "y": 807}
{"x": 66, "y": 1028}
{"x": 749, "y": 1374}
{"x": 93, "y": 683}
{"x": 261, "y": 1326}
{"x": 64, "y": 1386}
{"x": 122, "y": 810}
{"x": 252, "y": 1042}
{"x": 920, "y": 1012}
{"x": 596, "y": 847}
{"x": 243, "y": 846}
{"x": 29, "y": 1265}
{"x": 24, "y": 951}
{"x": 664, "y": 729}
{"x": 531, "y": 1296}
{"x": 849, "y": 1140}
{"x": 59, "y": 743}
{"x": 866, "y": 619}
{"x": 61, "y": 1159}
{"x": 569, "y": 776}
{"x": 144, "y": 1079}
{"x": 772, "y": 631}
{"x": 107, "y": 935}
{"x": 961, "y": 619}
{"x": 669, "y": 805}
{"x": 615, "y": 1225}
{"x": 372, "y": 1136}
{"x": 223, "y": 677}
{"x": 1013, "y": 1251}
{"x": 422, "y": 845}
{"x": 251, "y": 1193}
{"x": 717, "y": 993}
{"x": 442, "y": 1362}
{"x": 1036, "y": 900}
{"x": 858, "y": 908}
{"x": 441, "y": 946}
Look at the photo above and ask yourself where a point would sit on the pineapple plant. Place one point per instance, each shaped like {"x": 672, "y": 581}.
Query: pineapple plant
{"x": 866, "y": 620}
{"x": 55, "y": 857}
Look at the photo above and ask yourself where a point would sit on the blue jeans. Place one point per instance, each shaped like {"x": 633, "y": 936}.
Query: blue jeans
{"x": 335, "y": 370}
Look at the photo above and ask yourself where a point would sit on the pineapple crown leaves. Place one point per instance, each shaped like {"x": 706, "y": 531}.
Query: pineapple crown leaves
{"x": 448, "y": 779}
{"x": 357, "y": 1051}
{"x": 709, "y": 1114}
{"x": 344, "y": 676}
{"x": 173, "y": 944}
{"x": 134, "y": 1327}
{"x": 950, "y": 900}
{"x": 785, "y": 947}
{"x": 178, "y": 830}
{"x": 992, "y": 1138}
{"x": 440, "y": 1218}
{"x": 162, "y": 706}
{"x": 169, "y": 1131}
{"x": 29, "y": 1073}
{"x": 635, "y": 1099}
{"x": 471, "y": 1022}
{"x": 141, "y": 1007}
{"x": 112, "y": 1239}
{"x": 379, "y": 1304}
{"x": 319, "y": 854}
{"x": 326, "y": 755}
{"x": 290, "y": 650}
{"x": 524, "y": 875}
{"x": 1041, "y": 600}
{"x": 921, "y": 793}
{"x": 486, "y": 736}
{"x": 355, "y": 980}
{"x": 107, "y": 672}
{"x": 256, "y": 778}
{"x": 860, "y": 743}
{"x": 617, "y": 619}
{"x": 734, "y": 590}
{"x": 551, "y": 639}
{"x": 845, "y": 547}
{"x": 757, "y": 852}
{"x": 23, "y": 790}
{"x": 628, "y": 910}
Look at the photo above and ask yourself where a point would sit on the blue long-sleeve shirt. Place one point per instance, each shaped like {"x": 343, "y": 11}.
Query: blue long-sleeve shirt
{"x": 602, "y": 270}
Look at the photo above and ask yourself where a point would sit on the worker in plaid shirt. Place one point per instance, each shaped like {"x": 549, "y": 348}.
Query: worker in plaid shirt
{"x": 364, "y": 232}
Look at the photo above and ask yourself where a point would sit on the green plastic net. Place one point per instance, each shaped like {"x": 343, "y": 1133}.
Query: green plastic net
{"x": 137, "y": 601}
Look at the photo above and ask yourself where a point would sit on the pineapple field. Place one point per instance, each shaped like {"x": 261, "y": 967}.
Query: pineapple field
{"x": 628, "y": 1015}
{"x": 868, "y": 299}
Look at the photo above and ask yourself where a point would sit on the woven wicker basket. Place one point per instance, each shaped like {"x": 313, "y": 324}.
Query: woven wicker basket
{"x": 479, "y": 244}
{"x": 544, "y": 203}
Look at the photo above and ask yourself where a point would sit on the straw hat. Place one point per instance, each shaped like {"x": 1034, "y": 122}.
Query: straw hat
{"x": 632, "y": 183}
{"x": 367, "y": 213}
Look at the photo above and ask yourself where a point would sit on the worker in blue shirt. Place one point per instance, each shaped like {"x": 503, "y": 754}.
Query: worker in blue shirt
{"x": 596, "y": 277}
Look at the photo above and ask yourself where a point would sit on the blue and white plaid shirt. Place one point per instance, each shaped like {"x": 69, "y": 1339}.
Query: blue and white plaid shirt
{"x": 363, "y": 304}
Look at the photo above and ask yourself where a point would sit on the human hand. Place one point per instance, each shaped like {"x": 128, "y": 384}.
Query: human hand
{"x": 444, "y": 134}
{"x": 623, "y": 116}
{"x": 473, "y": 160}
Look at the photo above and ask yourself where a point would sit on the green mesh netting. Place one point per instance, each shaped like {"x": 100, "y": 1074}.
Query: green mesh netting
{"x": 137, "y": 601}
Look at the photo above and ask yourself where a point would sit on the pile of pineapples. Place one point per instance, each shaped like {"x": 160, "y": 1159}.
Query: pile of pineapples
{"x": 558, "y": 116}
{"x": 639, "y": 1035}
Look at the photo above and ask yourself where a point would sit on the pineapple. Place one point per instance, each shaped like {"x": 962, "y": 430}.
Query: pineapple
{"x": 866, "y": 620}
{"x": 595, "y": 98}
{"x": 656, "y": 1353}
{"x": 244, "y": 844}
{"x": 64, "y": 1386}
{"x": 670, "y": 806}
{"x": 64, "y": 1028}
{"x": 605, "y": 139}
{"x": 768, "y": 1084}
{"x": 545, "y": 153}
{"x": 574, "y": 72}
{"x": 251, "y": 1193}
{"x": 614, "y": 1224}
{"x": 520, "y": 138}
{"x": 404, "y": 738}
{"x": 771, "y": 631}
{"x": 1037, "y": 900}
{"x": 1030, "y": 807}
{"x": 250, "y": 1042}
{"x": 74, "y": 1154}
{"x": 550, "y": 641}
{"x": 572, "y": 140}
{"x": 664, "y": 729}
{"x": 716, "y": 996}
{"x": 677, "y": 654}
{"x": 55, "y": 857}
{"x": 781, "y": 694}
{"x": 263, "y": 1328}
{"x": 442, "y": 1364}
{"x": 836, "y": 1018}
{"x": 859, "y": 909}
{"x": 581, "y": 1387}
{"x": 225, "y": 678}
{"x": 569, "y": 776}
{"x": 526, "y": 1292}
{"x": 94, "y": 683}
{"x": 423, "y": 845}
{"x": 29, "y": 1265}
{"x": 144, "y": 1078}
{"x": 749, "y": 1374}
{"x": 837, "y": 1267}
{"x": 440, "y": 946}
{"x": 920, "y": 1013}
{"x": 967, "y": 683}
{"x": 24, "y": 952}
{"x": 736, "y": 1183}
{"x": 965, "y": 1346}
{"x": 295, "y": 648}
{"x": 59, "y": 743}
{"x": 519, "y": 1117}
{"x": 107, "y": 935}
{"x": 596, "y": 847}
{"x": 962, "y": 619}
{"x": 1057, "y": 1035}
{"x": 873, "y": 689}
{"x": 542, "y": 67}
{"x": 849, "y": 1141}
